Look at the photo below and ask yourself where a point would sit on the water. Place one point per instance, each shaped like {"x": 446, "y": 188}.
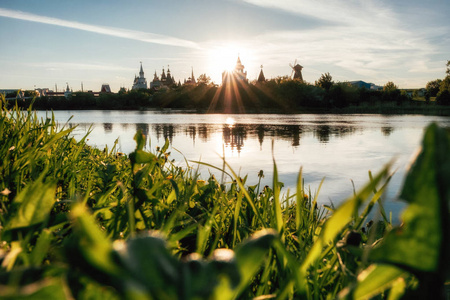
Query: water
{"x": 340, "y": 148}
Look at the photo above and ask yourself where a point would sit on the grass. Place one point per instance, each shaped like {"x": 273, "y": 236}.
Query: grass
{"x": 79, "y": 222}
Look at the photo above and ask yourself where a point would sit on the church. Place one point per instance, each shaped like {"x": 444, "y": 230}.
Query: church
{"x": 157, "y": 82}
{"x": 165, "y": 80}
{"x": 139, "y": 82}
{"x": 237, "y": 74}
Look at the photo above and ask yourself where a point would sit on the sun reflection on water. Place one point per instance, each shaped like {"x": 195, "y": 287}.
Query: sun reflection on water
{"x": 230, "y": 121}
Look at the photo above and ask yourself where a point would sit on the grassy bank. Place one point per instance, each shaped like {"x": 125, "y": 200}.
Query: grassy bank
{"x": 79, "y": 222}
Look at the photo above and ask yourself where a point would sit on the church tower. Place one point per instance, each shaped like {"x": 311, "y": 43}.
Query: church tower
{"x": 169, "y": 79}
{"x": 156, "y": 83}
{"x": 261, "y": 77}
{"x": 192, "y": 76}
{"x": 163, "y": 76}
{"x": 237, "y": 74}
{"x": 239, "y": 70}
{"x": 140, "y": 82}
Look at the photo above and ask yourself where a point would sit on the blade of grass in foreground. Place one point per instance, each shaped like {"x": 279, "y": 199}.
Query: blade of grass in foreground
{"x": 336, "y": 223}
{"x": 276, "y": 201}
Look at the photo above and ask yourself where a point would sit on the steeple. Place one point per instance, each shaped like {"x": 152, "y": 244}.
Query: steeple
{"x": 169, "y": 80}
{"x": 192, "y": 76}
{"x": 163, "y": 75}
{"x": 261, "y": 77}
{"x": 141, "y": 72}
{"x": 239, "y": 66}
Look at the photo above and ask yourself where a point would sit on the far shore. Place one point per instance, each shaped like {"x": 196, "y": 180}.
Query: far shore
{"x": 405, "y": 109}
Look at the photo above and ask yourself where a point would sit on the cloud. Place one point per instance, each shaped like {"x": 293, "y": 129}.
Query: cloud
{"x": 352, "y": 12}
{"x": 56, "y": 66}
{"x": 112, "y": 31}
{"x": 367, "y": 39}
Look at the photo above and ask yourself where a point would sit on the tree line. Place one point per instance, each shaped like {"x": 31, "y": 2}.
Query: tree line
{"x": 281, "y": 94}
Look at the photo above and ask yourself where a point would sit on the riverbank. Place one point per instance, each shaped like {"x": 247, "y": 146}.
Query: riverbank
{"x": 410, "y": 108}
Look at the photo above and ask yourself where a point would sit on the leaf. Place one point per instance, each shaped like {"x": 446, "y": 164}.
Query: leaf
{"x": 142, "y": 157}
{"x": 42, "y": 245}
{"x": 278, "y": 220}
{"x": 35, "y": 202}
{"x": 49, "y": 289}
{"x": 148, "y": 261}
{"x": 373, "y": 281}
{"x": 139, "y": 137}
{"x": 94, "y": 246}
{"x": 251, "y": 253}
{"x": 166, "y": 146}
{"x": 420, "y": 243}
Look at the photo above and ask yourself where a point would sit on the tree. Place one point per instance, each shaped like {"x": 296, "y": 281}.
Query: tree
{"x": 433, "y": 87}
{"x": 443, "y": 97}
{"x": 203, "y": 79}
{"x": 325, "y": 81}
{"x": 392, "y": 93}
{"x": 390, "y": 87}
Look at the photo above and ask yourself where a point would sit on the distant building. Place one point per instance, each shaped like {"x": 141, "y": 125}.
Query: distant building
{"x": 415, "y": 92}
{"x": 169, "y": 79}
{"x": 105, "y": 88}
{"x": 191, "y": 79}
{"x": 369, "y": 86}
{"x": 140, "y": 82}
{"x": 68, "y": 92}
{"x": 156, "y": 83}
{"x": 42, "y": 91}
{"x": 297, "y": 71}
{"x": 164, "y": 81}
{"x": 261, "y": 77}
{"x": 237, "y": 74}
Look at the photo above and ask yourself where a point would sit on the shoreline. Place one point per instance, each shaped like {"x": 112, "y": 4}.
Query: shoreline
{"x": 428, "y": 110}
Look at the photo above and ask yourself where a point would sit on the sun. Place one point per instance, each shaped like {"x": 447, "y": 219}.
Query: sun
{"x": 223, "y": 57}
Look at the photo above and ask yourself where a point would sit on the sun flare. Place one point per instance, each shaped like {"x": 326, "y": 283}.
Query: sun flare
{"x": 223, "y": 58}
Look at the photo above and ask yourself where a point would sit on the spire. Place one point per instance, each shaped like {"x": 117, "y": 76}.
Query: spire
{"x": 239, "y": 66}
{"x": 192, "y": 76}
{"x": 261, "y": 77}
{"x": 163, "y": 75}
{"x": 141, "y": 72}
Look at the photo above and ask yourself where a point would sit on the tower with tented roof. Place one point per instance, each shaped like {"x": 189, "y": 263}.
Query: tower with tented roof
{"x": 140, "y": 82}
{"x": 237, "y": 74}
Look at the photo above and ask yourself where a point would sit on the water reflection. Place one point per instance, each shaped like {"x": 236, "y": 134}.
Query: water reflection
{"x": 107, "y": 127}
{"x": 235, "y": 135}
{"x": 387, "y": 130}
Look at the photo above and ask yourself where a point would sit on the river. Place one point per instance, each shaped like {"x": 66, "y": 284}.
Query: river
{"x": 340, "y": 148}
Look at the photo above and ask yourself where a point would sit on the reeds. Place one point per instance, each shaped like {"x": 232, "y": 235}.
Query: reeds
{"x": 80, "y": 222}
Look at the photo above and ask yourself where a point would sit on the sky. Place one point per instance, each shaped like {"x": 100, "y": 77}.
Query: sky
{"x": 52, "y": 43}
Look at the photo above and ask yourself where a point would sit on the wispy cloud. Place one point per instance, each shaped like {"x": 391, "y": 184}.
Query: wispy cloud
{"x": 368, "y": 38}
{"x": 112, "y": 31}
{"x": 56, "y": 66}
